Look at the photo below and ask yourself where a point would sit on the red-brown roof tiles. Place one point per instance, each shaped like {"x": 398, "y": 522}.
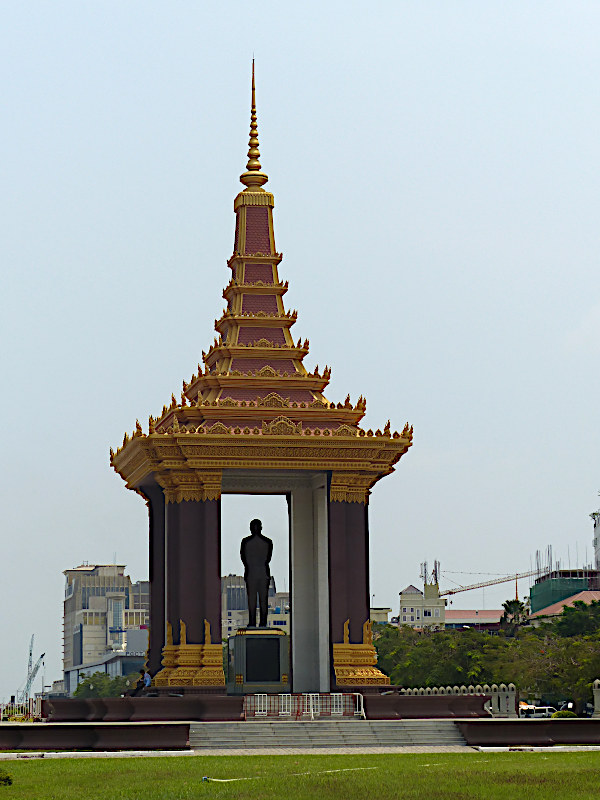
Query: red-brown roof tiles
{"x": 257, "y": 230}
{"x": 298, "y": 395}
{"x": 258, "y": 272}
{"x": 259, "y": 302}
{"x": 246, "y": 364}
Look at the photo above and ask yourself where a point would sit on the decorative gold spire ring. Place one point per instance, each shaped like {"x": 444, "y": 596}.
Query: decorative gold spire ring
{"x": 253, "y": 179}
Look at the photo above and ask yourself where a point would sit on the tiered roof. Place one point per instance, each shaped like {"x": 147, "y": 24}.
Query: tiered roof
{"x": 253, "y": 380}
{"x": 254, "y": 364}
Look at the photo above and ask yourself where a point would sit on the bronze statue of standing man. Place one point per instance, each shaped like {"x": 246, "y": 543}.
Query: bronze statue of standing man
{"x": 256, "y": 552}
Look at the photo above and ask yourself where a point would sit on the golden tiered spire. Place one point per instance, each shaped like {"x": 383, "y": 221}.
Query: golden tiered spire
{"x": 253, "y": 178}
{"x": 254, "y": 387}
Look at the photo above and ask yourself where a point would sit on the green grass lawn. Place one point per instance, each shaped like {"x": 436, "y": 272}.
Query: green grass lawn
{"x": 517, "y": 776}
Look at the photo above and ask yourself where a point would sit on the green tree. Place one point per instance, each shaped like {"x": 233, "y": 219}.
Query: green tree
{"x": 99, "y": 684}
{"x": 541, "y": 662}
{"x": 578, "y": 620}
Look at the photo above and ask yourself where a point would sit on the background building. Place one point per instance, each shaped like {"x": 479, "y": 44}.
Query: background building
{"x": 482, "y": 619}
{"x": 556, "y": 609}
{"x": 559, "y": 584}
{"x": 422, "y": 609}
{"x": 380, "y": 614}
{"x": 105, "y": 624}
{"x": 234, "y": 606}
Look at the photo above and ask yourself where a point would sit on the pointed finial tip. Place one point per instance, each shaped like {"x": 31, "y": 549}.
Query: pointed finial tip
{"x": 253, "y": 178}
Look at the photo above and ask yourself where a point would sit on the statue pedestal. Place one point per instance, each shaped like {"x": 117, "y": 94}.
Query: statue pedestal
{"x": 258, "y": 662}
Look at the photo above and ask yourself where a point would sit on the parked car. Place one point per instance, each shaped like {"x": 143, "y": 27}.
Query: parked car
{"x": 537, "y": 712}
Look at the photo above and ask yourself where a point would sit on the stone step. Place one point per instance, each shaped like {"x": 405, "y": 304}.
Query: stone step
{"x": 366, "y": 737}
{"x": 321, "y": 733}
{"x": 325, "y": 726}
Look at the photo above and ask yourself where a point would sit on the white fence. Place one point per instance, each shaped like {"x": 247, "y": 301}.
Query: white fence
{"x": 502, "y": 704}
{"x": 303, "y": 706}
{"x": 21, "y": 712}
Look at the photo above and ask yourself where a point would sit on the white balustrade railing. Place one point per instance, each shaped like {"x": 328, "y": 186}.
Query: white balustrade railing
{"x": 312, "y": 705}
{"x": 503, "y": 702}
{"x": 21, "y": 712}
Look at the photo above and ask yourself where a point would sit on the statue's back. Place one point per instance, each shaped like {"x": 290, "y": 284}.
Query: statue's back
{"x": 256, "y": 551}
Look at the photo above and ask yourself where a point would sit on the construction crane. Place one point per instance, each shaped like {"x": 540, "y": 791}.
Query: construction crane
{"x": 30, "y": 662}
{"x": 515, "y": 577}
{"x": 31, "y": 677}
{"x": 32, "y": 671}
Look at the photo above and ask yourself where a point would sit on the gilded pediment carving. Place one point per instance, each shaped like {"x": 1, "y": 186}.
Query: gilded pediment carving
{"x": 273, "y": 400}
{"x": 218, "y": 427}
{"x": 282, "y": 426}
{"x": 267, "y": 372}
{"x": 344, "y": 430}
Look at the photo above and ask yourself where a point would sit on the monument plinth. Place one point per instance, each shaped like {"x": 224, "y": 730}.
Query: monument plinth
{"x": 258, "y": 662}
{"x": 253, "y": 419}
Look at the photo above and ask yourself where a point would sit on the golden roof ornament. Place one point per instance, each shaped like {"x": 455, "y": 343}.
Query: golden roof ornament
{"x": 253, "y": 178}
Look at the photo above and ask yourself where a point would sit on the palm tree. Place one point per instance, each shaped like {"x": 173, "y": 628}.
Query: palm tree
{"x": 514, "y": 613}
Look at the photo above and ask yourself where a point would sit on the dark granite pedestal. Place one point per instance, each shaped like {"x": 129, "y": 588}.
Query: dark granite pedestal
{"x": 258, "y": 662}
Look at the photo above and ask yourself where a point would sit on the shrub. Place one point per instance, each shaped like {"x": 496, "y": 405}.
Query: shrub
{"x": 563, "y": 714}
{"x": 5, "y": 779}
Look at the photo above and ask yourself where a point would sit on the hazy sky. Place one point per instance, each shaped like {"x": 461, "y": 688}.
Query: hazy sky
{"x": 435, "y": 168}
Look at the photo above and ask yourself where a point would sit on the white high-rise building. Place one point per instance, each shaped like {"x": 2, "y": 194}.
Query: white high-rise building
{"x": 105, "y": 624}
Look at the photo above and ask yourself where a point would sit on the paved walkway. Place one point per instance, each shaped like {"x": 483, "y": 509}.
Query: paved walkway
{"x": 267, "y": 751}
{"x": 285, "y": 751}
{"x": 333, "y": 751}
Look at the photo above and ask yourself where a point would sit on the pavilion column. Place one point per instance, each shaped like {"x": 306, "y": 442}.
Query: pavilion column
{"x": 348, "y": 570}
{"x": 199, "y": 568}
{"x": 353, "y": 656}
{"x": 156, "y": 515}
{"x": 173, "y": 582}
{"x": 193, "y": 653}
{"x": 194, "y": 568}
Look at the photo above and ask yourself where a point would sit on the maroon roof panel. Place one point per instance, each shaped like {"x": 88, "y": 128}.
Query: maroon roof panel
{"x": 246, "y": 364}
{"x": 258, "y": 272}
{"x": 252, "y": 303}
{"x": 299, "y": 395}
{"x": 248, "y": 335}
{"x": 257, "y": 230}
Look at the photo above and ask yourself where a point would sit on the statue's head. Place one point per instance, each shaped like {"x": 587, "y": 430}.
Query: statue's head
{"x": 255, "y": 526}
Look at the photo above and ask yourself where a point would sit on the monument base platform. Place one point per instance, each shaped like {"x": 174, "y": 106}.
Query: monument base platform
{"x": 441, "y": 706}
{"x": 223, "y": 708}
{"x": 101, "y": 736}
{"x": 199, "y": 707}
